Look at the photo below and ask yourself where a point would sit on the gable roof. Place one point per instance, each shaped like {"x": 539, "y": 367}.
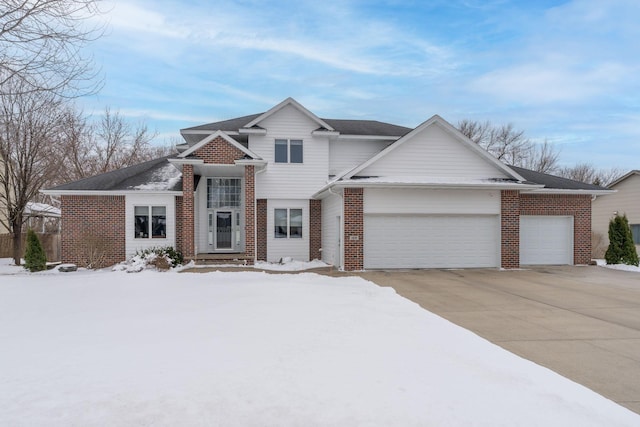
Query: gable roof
{"x": 213, "y": 136}
{"x": 137, "y": 177}
{"x": 482, "y": 153}
{"x": 195, "y": 134}
{"x": 292, "y": 102}
{"x": 625, "y": 176}
{"x": 555, "y": 182}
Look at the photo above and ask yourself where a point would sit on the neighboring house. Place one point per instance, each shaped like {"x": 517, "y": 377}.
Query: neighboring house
{"x": 626, "y": 201}
{"x": 357, "y": 194}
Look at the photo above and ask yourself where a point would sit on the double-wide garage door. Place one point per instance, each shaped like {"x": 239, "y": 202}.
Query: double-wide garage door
{"x": 431, "y": 241}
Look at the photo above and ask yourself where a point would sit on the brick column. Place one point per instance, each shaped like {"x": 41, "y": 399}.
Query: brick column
{"x": 353, "y": 229}
{"x": 261, "y": 229}
{"x": 188, "y": 213}
{"x": 510, "y": 228}
{"x": 315, "y": 229}
{"x": 249, "y": 212}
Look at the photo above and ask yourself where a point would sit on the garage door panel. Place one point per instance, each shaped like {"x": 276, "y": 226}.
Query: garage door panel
{"x": 431, "y": 241}
{"x": 546, "y": 240}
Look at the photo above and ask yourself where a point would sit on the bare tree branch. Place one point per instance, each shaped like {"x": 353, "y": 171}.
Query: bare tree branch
{"x": 41, "y": 45}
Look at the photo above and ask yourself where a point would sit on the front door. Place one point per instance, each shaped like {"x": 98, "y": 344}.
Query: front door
{"x": 224, "y": 229}
{"x": 221, "y": 230}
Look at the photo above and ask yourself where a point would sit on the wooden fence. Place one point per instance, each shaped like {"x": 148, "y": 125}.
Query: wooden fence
{"x": 50, "y": 243}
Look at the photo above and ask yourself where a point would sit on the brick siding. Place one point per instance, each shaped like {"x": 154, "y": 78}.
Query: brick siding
{"x": 249, "y": 212}
{"x": 577, "y": 206}
{"x": 187, "y": 217}
{"x": 510, "y": 228}
{"x": 219, "y": 151}
{"x": 261, "y": 229}
{"x": 92, "y": 230}
{"x": 315, "y": 229}
{"x": 353, "y": 229}
{"x": 179, "y": 232}
{"x": 514, "y": 205}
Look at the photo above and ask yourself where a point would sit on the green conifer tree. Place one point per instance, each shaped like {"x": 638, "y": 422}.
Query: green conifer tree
{"x": 35, "y": 258}
{"x": 621, "y": 248}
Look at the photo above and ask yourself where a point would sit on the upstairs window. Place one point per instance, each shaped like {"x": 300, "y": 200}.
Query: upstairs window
{"x": 288, "y": 151}
{"x": 150, "y": 221}
{"x": 288, "y": 223}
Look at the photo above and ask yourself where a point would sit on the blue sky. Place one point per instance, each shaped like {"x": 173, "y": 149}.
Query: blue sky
{"x": 565, "y": 71}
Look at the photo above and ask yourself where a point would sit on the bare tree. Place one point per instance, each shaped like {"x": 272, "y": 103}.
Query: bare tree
{"x": 511, "y": 145}
{"x": 41, "y": 45}
{"x": 29, "y": 127}
{"x": 541, "y": 158}
{"x": 111, "y": 143}
{"x": 586, "y": 172}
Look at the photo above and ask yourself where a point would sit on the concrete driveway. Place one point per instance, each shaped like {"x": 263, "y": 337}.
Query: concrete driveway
{"x": 582, "y": 322}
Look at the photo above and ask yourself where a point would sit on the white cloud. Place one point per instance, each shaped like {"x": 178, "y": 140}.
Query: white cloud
{"x": 548, "y": 82}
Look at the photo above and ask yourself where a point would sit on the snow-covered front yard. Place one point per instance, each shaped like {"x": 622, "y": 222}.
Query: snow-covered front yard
{"x": 255, "y": 349}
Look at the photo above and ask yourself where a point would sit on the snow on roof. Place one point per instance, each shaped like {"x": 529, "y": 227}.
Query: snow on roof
{"x": 162, "y": 179}
{"x": 42, "y": 209}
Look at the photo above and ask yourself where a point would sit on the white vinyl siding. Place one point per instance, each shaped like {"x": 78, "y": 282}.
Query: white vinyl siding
{"x": 290, "y": 180}
{"x": 431, "y": 241}
{"x": 434, "y": 152}
{"x": 345, "y": 154}
{"x": 331, "y": 211}
{"x": 131, "y": 243}
{"x": 296, "y": 248}
{"x": 546, "y": 240}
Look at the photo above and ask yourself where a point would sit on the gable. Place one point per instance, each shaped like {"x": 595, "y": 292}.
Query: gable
{"x": 286, "y": 104}
{"x": 435, "y": 152}
{"x": 218, "y": 151}
{"x": 289, "y": 122}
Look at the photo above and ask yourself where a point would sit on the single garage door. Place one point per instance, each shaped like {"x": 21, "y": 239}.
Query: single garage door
{"x": 431, "y": 241}
{"x": 546, "y": 240}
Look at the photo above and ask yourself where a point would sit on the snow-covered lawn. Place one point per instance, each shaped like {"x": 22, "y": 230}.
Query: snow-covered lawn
{"x": 256, "y": 349}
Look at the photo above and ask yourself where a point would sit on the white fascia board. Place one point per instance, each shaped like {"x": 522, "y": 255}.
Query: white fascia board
{"x": 496, "y": 186}
{"x": 370, "y": 137}
{"x": 570, "y": 192}
{"x": 206, "y": 132}
{"x": 294, "y": 103}
{"x": 256, "y": 162}
{"x": 185, "y": 161}
{"x": 106, "y": 193}
{"x": 252, "y": 131}
{"x": 448, "y": 128}
{"x": 332, "y": 133}
{"x": 213, "y": 136}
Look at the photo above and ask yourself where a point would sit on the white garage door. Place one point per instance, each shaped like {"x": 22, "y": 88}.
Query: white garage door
{"x": 431, "y": 241}
{"x": 546, "y": 240}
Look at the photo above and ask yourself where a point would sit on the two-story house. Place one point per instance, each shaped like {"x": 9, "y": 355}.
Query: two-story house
{"x": 358, "y": 194}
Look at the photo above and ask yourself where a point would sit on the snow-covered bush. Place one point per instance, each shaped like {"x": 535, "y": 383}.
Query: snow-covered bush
{"x": 161, "y": 258}
{"x": 171, "y": 255}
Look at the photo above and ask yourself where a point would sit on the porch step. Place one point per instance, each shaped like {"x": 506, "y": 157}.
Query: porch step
{"x": 218, "y": 259}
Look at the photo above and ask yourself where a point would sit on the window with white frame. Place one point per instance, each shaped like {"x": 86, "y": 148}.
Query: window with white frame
{"x": 150, "y": 222}
{"x": 287, "y": 223}
{"x": 288, "y": 151}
